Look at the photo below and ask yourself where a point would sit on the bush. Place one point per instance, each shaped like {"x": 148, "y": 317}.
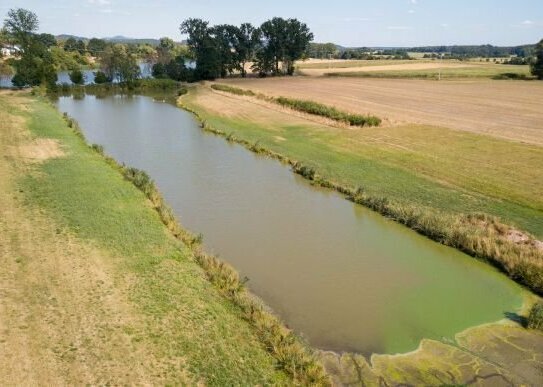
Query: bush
{"x": 77, "y": 77}
{"x": 101, "y": 77}
{"x": 535, "y": 319}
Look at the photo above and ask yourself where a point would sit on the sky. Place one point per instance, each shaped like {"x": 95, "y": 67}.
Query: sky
{"x": 374, "y": 23}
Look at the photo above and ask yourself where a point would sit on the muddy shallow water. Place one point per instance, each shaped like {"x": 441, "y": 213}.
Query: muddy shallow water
{"x": 344, "y": 277}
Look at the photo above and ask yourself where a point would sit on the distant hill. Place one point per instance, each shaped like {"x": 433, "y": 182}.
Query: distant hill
{"x": 63, "y": 37}
{"x": 125, "y": 39}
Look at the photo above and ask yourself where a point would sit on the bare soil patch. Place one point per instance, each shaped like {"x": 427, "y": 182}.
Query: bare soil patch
{"x": 39, "y": 150}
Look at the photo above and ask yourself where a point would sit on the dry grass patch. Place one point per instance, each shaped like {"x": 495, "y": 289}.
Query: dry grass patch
{"x": 39, "y": 150}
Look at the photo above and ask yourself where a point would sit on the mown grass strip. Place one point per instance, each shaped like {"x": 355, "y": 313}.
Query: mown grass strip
{"x": 293, "y": 356}
{"x": 479, "y": 235}
{"x": 305, "y": 106}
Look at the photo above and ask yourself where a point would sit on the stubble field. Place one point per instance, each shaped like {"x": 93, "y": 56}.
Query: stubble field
{"x": 511, "y": 110}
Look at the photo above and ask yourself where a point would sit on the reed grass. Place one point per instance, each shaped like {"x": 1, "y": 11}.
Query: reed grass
{"x": 535, "y": 318}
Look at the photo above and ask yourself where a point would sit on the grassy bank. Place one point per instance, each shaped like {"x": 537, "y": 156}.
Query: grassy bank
{"x": 376, "y": 176}
{"x": 211, "y": 332}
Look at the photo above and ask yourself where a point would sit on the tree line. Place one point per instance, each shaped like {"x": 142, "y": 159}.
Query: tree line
{"x": 211, "y": 52}
{"x": 221, "y": 50}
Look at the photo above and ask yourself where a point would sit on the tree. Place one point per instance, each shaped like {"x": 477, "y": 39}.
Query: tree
{"x": 245, "y": 43}
{"x": 224, "y": 35}
{"x": 100, "y": 77}
{"x": 70, "y": 44}
{"x": 47, "y": 40}
{"x": 164, "y": 50}
{"x": 80, "y": 47}
{"x": 36, "y": 65}
{"x": 284, "y": 41}
{"x": 77, "y": 77}
{"x": 203, "y": 47}
{"x": 21, "y": 25}
{"x": 118, "y": 63}
{"x": 95, "y": 46}
{"x": 537, "y": 66}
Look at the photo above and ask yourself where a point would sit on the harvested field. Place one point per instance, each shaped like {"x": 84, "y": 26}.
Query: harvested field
{"x": 507, "y": 109}
{"x": 380, "y": 66}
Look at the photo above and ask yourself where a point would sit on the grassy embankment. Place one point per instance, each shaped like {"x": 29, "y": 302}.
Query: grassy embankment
{"x": 445, "y": 184}
{"x": 198, "y": 325}
{"x": 471, "y": 71}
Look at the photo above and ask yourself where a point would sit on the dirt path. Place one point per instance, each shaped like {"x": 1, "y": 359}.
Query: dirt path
{"x": 64, "y": 313}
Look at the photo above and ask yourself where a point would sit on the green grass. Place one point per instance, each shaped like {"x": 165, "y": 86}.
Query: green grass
{"x": 187, "y": 317}
{"x": 472, "y": 71}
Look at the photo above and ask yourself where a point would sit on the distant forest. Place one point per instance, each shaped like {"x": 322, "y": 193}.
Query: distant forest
{"x": 331, "y": 50}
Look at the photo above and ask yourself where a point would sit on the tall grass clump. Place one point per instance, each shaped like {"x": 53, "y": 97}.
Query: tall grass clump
{"x": 232, "y": 89}
{"x": 535, "y": 318}
{"x": 330, "y": 112}
{"x": 292, "y": 355}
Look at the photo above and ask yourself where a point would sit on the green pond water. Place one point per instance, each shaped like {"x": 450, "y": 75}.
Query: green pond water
{"x": 342, "y": 276}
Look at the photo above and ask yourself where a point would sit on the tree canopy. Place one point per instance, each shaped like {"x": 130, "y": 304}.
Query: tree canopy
{"x": 220, "y": 50}
{"x": 537, "y": 66}
{"x": 36, "y": 65}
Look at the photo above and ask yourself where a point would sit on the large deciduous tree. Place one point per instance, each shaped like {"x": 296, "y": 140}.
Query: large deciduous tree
{"x": 36, "y": 65}
{"x": 204, "y": 48}
{"x": 120, "y": 64}
{"x": 95, "y": 46}
{"x": 537, "y": 66}
{"x": 284, "y": 41}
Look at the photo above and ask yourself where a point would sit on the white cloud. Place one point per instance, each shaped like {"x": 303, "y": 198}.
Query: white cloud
{"x": 106, "y": 10}
{"x": 527, "y": 23}
{"x": 399, "y": 28}
{"x": 413, "y": 1}
{"x": 411, "y": 11}
{"x": 444, "y": 25}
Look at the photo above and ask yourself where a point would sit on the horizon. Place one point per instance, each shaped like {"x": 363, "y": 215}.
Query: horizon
{"x": 398, "y": 23}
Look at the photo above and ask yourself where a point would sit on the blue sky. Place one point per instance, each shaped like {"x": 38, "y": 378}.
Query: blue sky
{"x": 346, "y": 22}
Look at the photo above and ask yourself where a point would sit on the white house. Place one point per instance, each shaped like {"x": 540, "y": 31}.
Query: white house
{"x": 9, "y": 50}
